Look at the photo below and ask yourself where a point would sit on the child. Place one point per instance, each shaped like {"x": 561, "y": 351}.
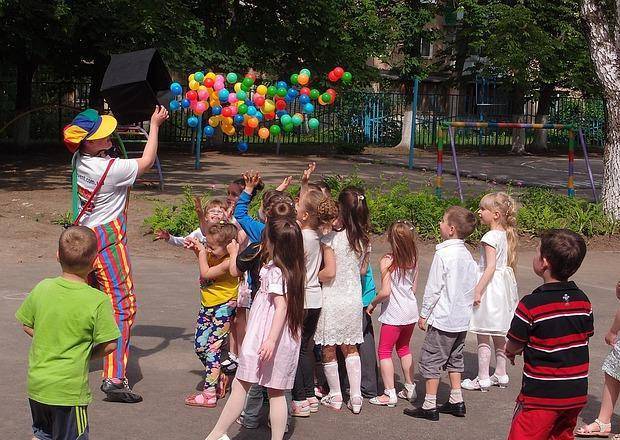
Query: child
{"x": 446, "y": 311}
{"x": 345, "y": 255}
{"x": 552, "y": 327}
{"x": 314, "y": 211}
{"x": 271, "y": 347}
{"x": 213, "y": 212}
{"x": 601, "y": 427}
{"x": 399, "y": 312}
{"x": 218, "y": 304}
{"x": 496, "y": 296}
{"x": 70, "y": 323}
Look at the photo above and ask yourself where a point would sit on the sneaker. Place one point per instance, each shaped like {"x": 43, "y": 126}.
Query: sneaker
{"x": 314, "y": 404}
{"x": 332, "y": 401}
{"x": 119, "y": 392}
{"x": 476, "y": 384}
{"x": 500, "y": 381}
{"x": 300, "y": 408}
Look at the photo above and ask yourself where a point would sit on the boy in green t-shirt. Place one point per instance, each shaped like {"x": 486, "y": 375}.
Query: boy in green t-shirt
{"x": 69, "y": 323}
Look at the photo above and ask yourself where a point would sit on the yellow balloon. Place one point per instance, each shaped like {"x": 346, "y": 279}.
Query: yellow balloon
{"x": 263, "y": 133}
{"x": 194, "y": 85}
{"x": 214, "y": 121}
{"x": 227, "y": 120}
{"x": 300, "y": 115}
{"x": 303, "y": 79}
{"x": 237, "y": 87}
{"x": 210, "y": 75}
{"x": 261, "y": 90}
{"x": 229, "y": 130}
{"x": 215, "y": 96}
{"x": 190, "y": 78}
{"x": 201, "y": 87}
{"x": 269, "y": 106}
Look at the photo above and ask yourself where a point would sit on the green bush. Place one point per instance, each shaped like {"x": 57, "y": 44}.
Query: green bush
{"x": 539, "y": 209}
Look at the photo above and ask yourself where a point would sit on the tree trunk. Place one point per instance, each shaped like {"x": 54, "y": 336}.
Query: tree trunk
{"x": 518, "y": 134}
{"x": 606, "y": 58}
{"x": 542, "y": 116}
{"x": 23, "y": 101}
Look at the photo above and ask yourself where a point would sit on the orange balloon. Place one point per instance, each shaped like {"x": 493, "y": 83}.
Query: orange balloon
{"x": 263, "y": 133}
{"x": 303, "y": 79}
{"x": 321, "y": 100}
{"x": 253, "y": 122}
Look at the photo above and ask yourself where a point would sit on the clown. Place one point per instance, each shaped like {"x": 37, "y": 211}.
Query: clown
{"x": 102, "y": 184}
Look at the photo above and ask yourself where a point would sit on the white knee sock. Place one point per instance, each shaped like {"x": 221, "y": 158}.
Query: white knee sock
{"x": 430, "y": 401}
{"x": 333, "y": 379}
{"x": 484, "y": 360}
{"x": 500, "y": 355}
{"x": 354, "y": 371}
{"x": 278, "y": 414}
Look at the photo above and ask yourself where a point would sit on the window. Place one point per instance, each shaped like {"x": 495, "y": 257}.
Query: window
{"x": 426, "y": 49}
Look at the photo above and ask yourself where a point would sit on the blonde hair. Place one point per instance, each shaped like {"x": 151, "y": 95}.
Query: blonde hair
{"x": 322, "y": 210}
{"x": 507, "y": 208}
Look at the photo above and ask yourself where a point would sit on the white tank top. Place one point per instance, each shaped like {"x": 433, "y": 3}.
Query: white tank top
{"x": 401, "y": 308}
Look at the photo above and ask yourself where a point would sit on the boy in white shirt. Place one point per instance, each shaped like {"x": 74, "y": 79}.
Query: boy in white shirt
{"x": 446, "y": 311}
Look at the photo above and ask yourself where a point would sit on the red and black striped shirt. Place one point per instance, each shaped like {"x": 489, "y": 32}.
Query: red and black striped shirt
{"x": 555, "y": 323}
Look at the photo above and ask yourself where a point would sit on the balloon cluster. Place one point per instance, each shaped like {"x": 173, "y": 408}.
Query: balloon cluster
{"x": 338, "y": 74}
{"x": 236, "y": 105}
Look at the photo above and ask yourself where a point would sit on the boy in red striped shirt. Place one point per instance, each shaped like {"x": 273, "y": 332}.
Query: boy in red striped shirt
{"x": 552, "y": 327}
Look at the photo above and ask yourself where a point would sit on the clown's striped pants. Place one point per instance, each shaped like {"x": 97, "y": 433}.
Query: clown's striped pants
{"x": 112, "y": 275}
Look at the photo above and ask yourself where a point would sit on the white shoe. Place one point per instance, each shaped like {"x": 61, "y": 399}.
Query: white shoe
{"x": 333, "y": 401}
{"x": 391, "y": 402}
{"x": 223, "y": 437}
{"x": 476, "y": 384}
{"x": 407, "y": 394}
{"x": 500, "y": 381}
{"x": 355, "y": 407}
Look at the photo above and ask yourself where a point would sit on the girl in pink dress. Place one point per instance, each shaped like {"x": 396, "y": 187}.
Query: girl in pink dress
{"x": 271, "y": 345}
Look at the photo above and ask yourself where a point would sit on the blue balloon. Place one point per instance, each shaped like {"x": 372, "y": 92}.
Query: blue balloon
{"x": 216, "y": 110}
{"x": 192, "y": 121}
{"x": 242, "y": 147}
{"x": 208, "y": 131}
{"x": 185, "y": 103}
{"x": 238, "y": 119}
{"x": 251, "y": 110}
{"x": 288, "y": 99}
{"x": 281, "y": 84}
{"x": 249, "y": 103}
{"x": 223, "y": 95}
{"x": 292, "y": 92}
{"x": 174, "y": 105}
{"x": 259, "y": 116}
{"x": 281, "y": 113}
{"x": 176, "y": 88}
{"x": 308, "y": 107}
{"x": 304, "y": 99}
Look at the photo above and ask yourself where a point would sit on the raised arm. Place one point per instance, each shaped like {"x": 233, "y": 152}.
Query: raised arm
{"x": 150, "y": 150}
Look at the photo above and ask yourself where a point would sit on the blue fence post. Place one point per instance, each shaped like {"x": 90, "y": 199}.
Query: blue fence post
{"x": 198, "y": 142}
{"x": 414, "y": 115}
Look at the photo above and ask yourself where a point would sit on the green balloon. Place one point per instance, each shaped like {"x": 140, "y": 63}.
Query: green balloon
{"x": 314, "y": 94}
{"x": 274, "y": 130}
{"x": 199, "y": 76}
{"x": 286, "y": 120}
{"x": 304, "y": 72}
{"x": 231, "y": 78}
{"x": 245, "y": 88}
{"x": 289, "y": 127}
{"x": 271, "y": 91}
{"x": 297, "y": 120}
{"x": 313, "y": 123}
{"x": 294, "y": 78}
{"x": 242, "y": 95}
{"x": 326, "y": 97}
{"x": 282, "y": 92}
{"x": 347, "y": 77}
{"x": 242, "y": 109}
{"x": 247, "y": 82}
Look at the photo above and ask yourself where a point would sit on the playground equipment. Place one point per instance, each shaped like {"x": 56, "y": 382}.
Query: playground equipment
{"x": 450, "y": 126}
{"x": 128, "y": 135}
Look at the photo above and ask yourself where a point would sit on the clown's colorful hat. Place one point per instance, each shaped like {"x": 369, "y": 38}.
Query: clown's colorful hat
{"x": 88, "y": 125}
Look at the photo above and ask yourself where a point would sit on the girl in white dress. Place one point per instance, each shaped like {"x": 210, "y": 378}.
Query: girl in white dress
{"x": 495, "y": 296}
{"x": 345, "y": 255}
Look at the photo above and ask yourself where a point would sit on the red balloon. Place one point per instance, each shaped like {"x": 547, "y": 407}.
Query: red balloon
{"x": 332, "y": 76}
{"x": 191, "y": 95}
{"x": 250, "y": 75}
{"x": 227, "y": 112}
{"x": 332, "y": 92}
{"x": 248, "y": 131}
{"x": 208, "y": 82}
{"x": 338, "y": 72}
{"x": 269, "y": 116}
{"x": 259, "y": 100}
{"x": 304, "y": 91}
{"x": 281, "y": 104}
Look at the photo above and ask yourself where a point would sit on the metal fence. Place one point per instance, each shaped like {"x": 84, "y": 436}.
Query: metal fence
{"x": 356, "y": 118}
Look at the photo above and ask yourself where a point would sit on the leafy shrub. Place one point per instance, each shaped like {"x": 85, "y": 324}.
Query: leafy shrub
{"x": 539, "y": 209}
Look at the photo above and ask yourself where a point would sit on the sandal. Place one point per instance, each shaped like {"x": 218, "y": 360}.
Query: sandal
{"x": 201, "y": 400}
{"x": 476, "y": 384}
{"x": 355, "y": 407}
{"x": 333, "y": 401}
{"x": 384, "y": 400}
{"x": 604, "y": 430}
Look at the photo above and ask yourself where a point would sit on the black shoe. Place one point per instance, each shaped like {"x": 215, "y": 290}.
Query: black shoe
{"x": 421, "y": 413}
{"x": 456, "y": 409}
{"x": 119, "y": 392}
